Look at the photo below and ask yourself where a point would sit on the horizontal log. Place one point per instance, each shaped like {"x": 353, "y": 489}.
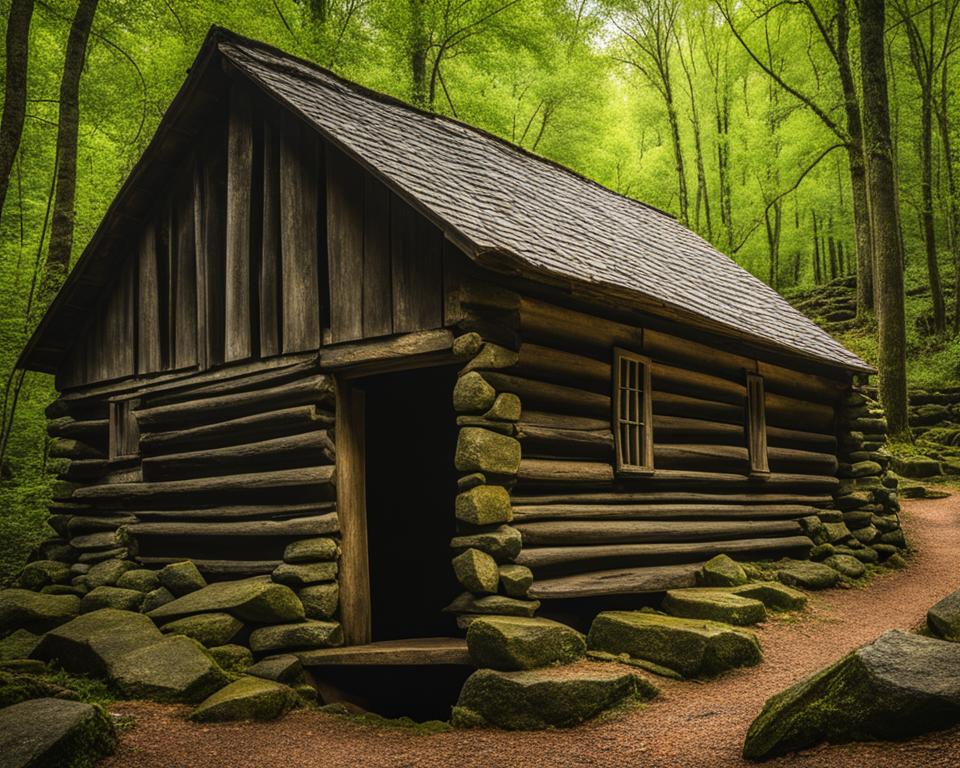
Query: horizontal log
{"x": 552, "y": 397}
{"x": 85, "y": 470}
{"x": 682, "y": 381}
{"x": 795, "y": 438}
{"x": 402, "y": 347}
{"x": 736, "y": 458}
{"x": 301, "y": 526}
{"x": 584, "y": 532}
{"x": 562, "y": 420}
{"x": 551, "y": 325}
{"x": 672, "y": 404}
{"x": 218, "y": 567}
{"x": 680, "y": 429}
{"x": 550, "y": 442}
{"x": 68, "y": 448}
{"x": 249, "y": 382}
{"x": 670, "y": 497}
{"x": 663, "y": 511}
{"x": 239, "y": 512}
{"x": 306, "y": 449}
{"x": 550, "y": 364}
{"x": 313, "y": 391}
{"x": 622, "y": 581}
{"x": 308, "y": 484}
{"x": 637, "y": 553}
{"x": 564, "y": 472}
{"x": 789, "y": 412}
{"x": 92, "y": 431}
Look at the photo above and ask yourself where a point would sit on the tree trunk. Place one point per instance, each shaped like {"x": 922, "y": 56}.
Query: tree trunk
{"x": 773, "y": 241}
{"x": 15, "y": 89}
{"x": 952, "y": 204}
{"x": 61, "y": 228}
{"x": 817, "y": 277}
{"x": 677, "y": 151}
{"x": 929, "y": 235}
{"x": 885, "y": 216}
{"x": 418, "y": 54}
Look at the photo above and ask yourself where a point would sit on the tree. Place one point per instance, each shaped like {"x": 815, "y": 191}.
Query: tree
{"x": 885, "y": 215}
{"x": 15, "y": 89}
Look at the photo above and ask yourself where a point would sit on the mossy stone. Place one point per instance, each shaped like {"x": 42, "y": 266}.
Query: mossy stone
{"x": 208, "y": 629}
{"x": 501, "y": 543}
{"x": 40, "y": 573}
{"x": 866, "y": 534}
{"x": 774, "y": 596}
{"x": 65, "y": 589}
{"x": 257, "y": 600}
{"x": 807, "y": 575}
{"x": 107, "y": 572}
{"x": 822, "y": 552}
{"x": 513, "y": 642}
{"x": 944, "y": 617}
{"x": 473, "y": 394}
{"x": 155, "y": 598}
{"x": 111, "y": 597}
{"x": 17, "y": 686}
{"x": 19, "y": 644}
{"x": 182, "y": 578}
{"x": 721, "y": 571}
{"x": 249, "y": 698}
{"x": 320, "y": 601}
{"x": 714, "y": 605}
{"x": 301, "y": 636}
{"x": 492, "y": 357}
{"x": 303, "y": 575}
{"x": 140, "y": 579}
{"x": 476, "y": 571}
{"x": 467, "y": 345}
{"x": 231, "y": 657}
{"x": 894, "y": 537}
{"x": 311, "y": 550}
{"x": 846, "y": 565}
{"x": 173, "y": 669}
{"x": 691, "y": 647}
{"x": 484, "y": 505}
{"x": 516, "y": 580}
{"x": 482, "y": 450}
{"x": 24, "y": 609}
{"x": 836, "y": 532}
{"x": 50, "y": 732}
{"x": 493, "y": 604}
{"x": 285, "y": 668}
{"x": 505, "y": 408}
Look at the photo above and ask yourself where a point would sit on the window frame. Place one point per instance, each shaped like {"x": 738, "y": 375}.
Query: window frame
{"x": 123, "y": 442}
{"x": 756, "y": 425}
{"x": 641, "y": 430}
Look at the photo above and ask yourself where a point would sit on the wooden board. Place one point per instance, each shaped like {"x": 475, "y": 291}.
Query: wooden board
{"x": 621, "y": 581}
{"x": 414, "y": 652}
{"x": 270, "y": 286}
{"x": 238, "y": 342}
{"x": 185, "y": 279}
{"x": 345, "y": 247}
{"x": 210, "y": 212}
{"x": 377, "y": 275}
{"x": 416, "y": 247}
{"x": 148, "y": 303}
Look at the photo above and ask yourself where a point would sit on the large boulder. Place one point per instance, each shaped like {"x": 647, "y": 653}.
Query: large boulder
{"x": 303, "y": 635}
{"x": 541, "y": 698}
{"x": 42, "y": 733}
{"x": 807, "y": 575}
{"x": 174, "y": 668}
{"x": 249, "y": 698}
{"x": 40, "y": 573}
{"x": 182, "y": 578}
{"x": 107, "y": 572}
{"x": 23, "y": 609}
{"x": 208, "y": 629}
{"x": 943, "y": 619}
{"x": 92, "y": 643}
{"x": 900, "y": 685}
{"x": 19, "y": 644}
{"x": 721, "y": 571}
{"x": 256, "y": 600}
{"x": 303, "y": 575}
{"x": 514, "y": 642}
{"x": 111, "y": 597}
{"x": 714, "y": 605}
{"x": 688, "y": 646}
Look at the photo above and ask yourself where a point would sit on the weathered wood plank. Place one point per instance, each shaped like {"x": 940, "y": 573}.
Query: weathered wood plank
{"x": 405, "y": 347}
{"x": 548, "y": 396}
{"x": 260, "y": 379}
{"x": 660, "y": 511}
{"x": 148, "y": 303}
{"x": 377, "y": 274}
{"x": 584, "y": 532}
{"x": 210, "y": 217}
{"x": 236, "y": 568}
{"x": 318, "y": 525}
{"x": 416, "y": 247}
{"x": 622, "y": 581}
{"x": 239, "y": 325}
{"x": 408, "y": 653}
{"x": 270, "y": 286}
{"x": 551, "y": 442}
{"x": 345, "y": 246}
{"x": 185, "y": 320}
{"x": 670, "y": 497}
{"x": 238, "y": 512}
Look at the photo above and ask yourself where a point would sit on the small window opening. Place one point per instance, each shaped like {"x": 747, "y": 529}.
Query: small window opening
{"x": 756, "y": 425}
{"x": 124, "y": 431}
{"x": 632, "y": 416}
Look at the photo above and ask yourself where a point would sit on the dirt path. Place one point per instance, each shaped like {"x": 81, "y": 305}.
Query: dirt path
{"x": 690, "y": 724}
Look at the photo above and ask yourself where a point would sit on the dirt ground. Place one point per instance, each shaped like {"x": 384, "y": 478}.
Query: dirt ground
{"x": 690, "y": 724}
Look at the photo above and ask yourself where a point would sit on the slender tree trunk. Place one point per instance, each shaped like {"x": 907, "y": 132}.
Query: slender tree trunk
{"x": 952, "y": 203}
{"x": 817, "y": 277}
{"x": 885, "y": 216}
{"x": 61, "y": 227}
{"x": 15, "y": 89}
{"x": 929, "y": 234}
{"x": 418, "y": 44}
{"x": 677, "y": 151}
{"x": 833, "y": 257}
{"x": 703, "y": 192}
{"x": 774, "y": 228}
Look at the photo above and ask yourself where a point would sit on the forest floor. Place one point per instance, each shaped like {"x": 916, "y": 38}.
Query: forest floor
{"x": 689, "y": 725}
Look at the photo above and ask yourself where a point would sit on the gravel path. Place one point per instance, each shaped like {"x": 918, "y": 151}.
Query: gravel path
{"x": 690, "y": 724}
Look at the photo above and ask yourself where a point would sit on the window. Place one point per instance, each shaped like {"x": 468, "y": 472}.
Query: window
{"x": 756, "y": 425}
{"x": 124, "y": 440}
{"x": 632, "y": 413}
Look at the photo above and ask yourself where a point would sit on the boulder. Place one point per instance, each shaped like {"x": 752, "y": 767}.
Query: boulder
{"x": 285, "y": 669}
{"x": 476, "y": 571}
{"x": 846, "y": 565}
{"x": 23, "y": 609}
{"x": 836, "y": 533}
{"x": 714, "y": 605}
{"x": 256, "y": 600}
{"x": 691, "y": 647}
{"x": 40, "y": 573}
{"x": 472, "y": 394}
{"x": 289, "y": 637}
{"x": 721, "y": 571}
{"x": 774, "y": 596}
{"x": 140, "y": 579}
{"x": 19, "y": 644}
{"x": 249, "y": 698}
{"x": 482, "y": 450}
{"x": 864, "y": 555}
{"x": 299, "y": 576}
{"x": 483, "y": 505}
{"x": 155, "y": 598}
{"x": 514, "y": 643}
{"x": 111, "y": 597}
{"x": 807, "y": 575}
{"x": 505, "y": 408}
{"x": 899, "y": 686}
{"x": 866, "y": 534}
{"x": 206, "y": 628}
{"x": 916, "y": 466}
{"x": 107, "y": 572}
{"x": 493, "y": 604}
{"x": 182, "y": 578}
{"x": 64, "y": 589}
{"x": 943, "y": 619}
{"x": 863, "y": 469}
{"x": 231, "y": 657}
{"x": 516, "y": 580}
{"x": 311, "y": 550}
{"x": 92, "y": 643}
{"x": 174, "y": 668}
{"x": 320, "y": 601}
{"x": 43, "y": 733}
{"x": 894, "y": 537}
{"x": 501, "y": 543}
{"x": 859, "y": 518}
{"x": 541, "y": 698}
{"x": 822, "y": 552}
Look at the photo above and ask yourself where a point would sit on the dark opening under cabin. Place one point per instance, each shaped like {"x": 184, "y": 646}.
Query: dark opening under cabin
{"x": 324, "y": 338}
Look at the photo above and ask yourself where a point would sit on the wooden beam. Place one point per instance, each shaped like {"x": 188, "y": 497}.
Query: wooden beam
{"x": 450, "y": 651}
{"x": 584, "y": 532}
{"x": 239, "y": 327}
{"x": 381, "y": 351}
{"x": 318, "y": 525}
{"x": 235, "y": 568}
{"x": 238, "y": 512}
{"x": 622, "y": 581}
{"x": 661, "y": 511}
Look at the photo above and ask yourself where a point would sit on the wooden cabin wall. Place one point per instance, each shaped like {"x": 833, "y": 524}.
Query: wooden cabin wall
{"x": 587, "y": 531}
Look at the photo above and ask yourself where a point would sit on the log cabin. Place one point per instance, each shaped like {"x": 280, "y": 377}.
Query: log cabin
{"x": 315, "y": 311}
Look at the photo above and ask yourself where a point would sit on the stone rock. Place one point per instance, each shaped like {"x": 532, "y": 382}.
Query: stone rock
{"x": 140, "y": 579}
{"x": 472, "y": 394}
{"x": 92, "y": 643}
{"x": 231, "y": 657}
{"x": 311, "y": 550}
{"x": 111, "y": 597}
{"x": 864, "y": 555}
{"x": 43, "y": 733}
{"x": 513, "y": 643}
{"x": 859, "y": 518}
{"x": 174, "y": 668}
{"x": 40, "y": 573}
{"x": 299, "y": 576}
{"x": 256, "y": 600}
{"x": 285, "y": 669}
{"x": 802, "y": 573}
{"x": 853, "y": 500}
{"x": 943, "y": 619}
{"x": 108, "y": 572}
{"x": 99, "y": 541}
{"x": 846, "y": 566}
{"x": 476, "y": 571}
{"x": 691, "y": 647}
{"x": 714, "y": 605}
{"x": 916, "y": 466}
{"x": 822, "y": 552}
{"x": 182, "y": 578}
{"x": 897, "y": 562}
{"x": 493, "y": 604}
{"x": 102, "y": 556}
{"x": 65, "y": 589}
{"x": 23, "y": 609}
{"x": 830, "y": 516}
{"x": 501, "y": 543}
{"x": 482, "y": 450}
{"x": 301, "y": 636}
{"x": 208, "y": 629}
{"x": 249, "y": 698}
{"x": 320, "y": 601}
{"x": 836, "y": 532}
{"x": 505, "y": 408}
{"x": 18, "y": 685}
{"x": 541, "y": 698}
{"x": 864, "y": 469}
{"x": 884, "y": 523}
{"x": 721, "y": 571}
{"x": 866, "y": 534}
{"x": 467, "y": 345}
{"x": 899, "y": 686}
{"x": 515, "y": 580}
{"x": 774, "y": 596}
{"x": 484, "y": 505}
{"x": 155, "y": 598}
{"x": 466, "y": 482}
{"x": 894, "y": 537}
{"x": 19, "y": 644}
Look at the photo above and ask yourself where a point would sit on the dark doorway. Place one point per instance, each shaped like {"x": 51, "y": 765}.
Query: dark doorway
{"x": 411, "y": 483}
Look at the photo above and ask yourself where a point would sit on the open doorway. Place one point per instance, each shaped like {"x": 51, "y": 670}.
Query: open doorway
{"x": 411, "y": 483}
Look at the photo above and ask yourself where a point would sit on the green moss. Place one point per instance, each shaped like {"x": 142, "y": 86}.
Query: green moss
{"x": 714, "y": 605}
{"x": 249, "y": 698}
{"x": 512, "y": 643}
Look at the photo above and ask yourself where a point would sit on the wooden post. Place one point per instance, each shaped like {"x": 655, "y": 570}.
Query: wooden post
{"x": 351, "y": 507}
